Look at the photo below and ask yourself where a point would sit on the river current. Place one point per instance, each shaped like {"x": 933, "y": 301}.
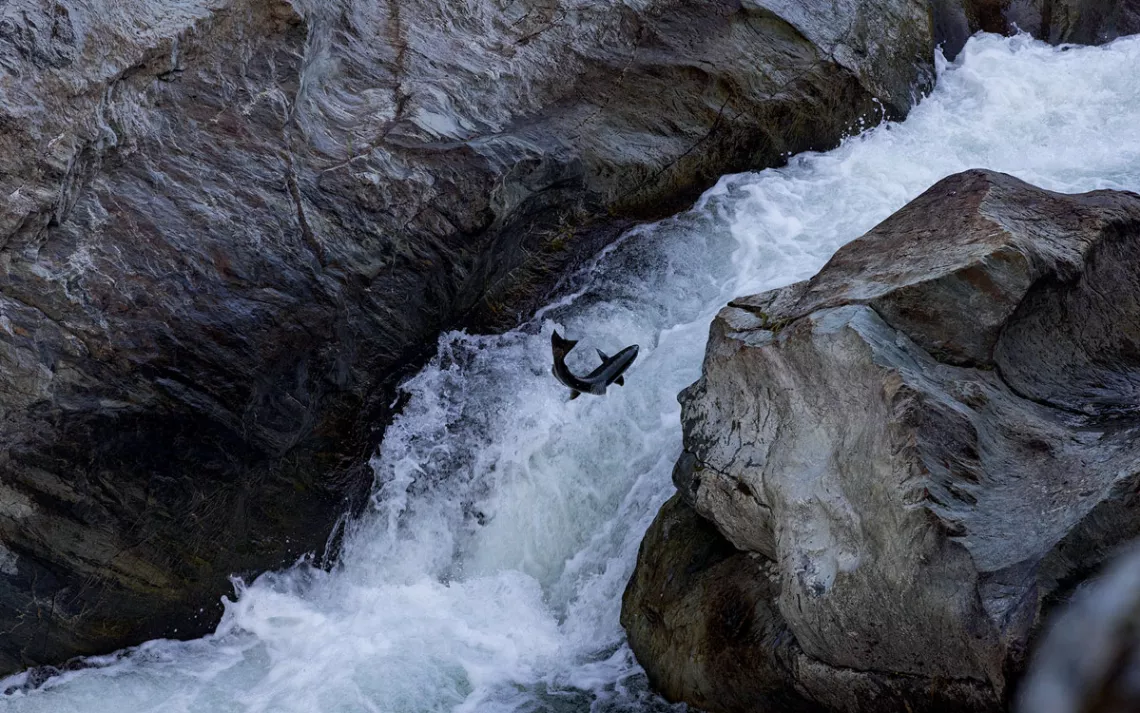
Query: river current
{"x": 487, "y": 576}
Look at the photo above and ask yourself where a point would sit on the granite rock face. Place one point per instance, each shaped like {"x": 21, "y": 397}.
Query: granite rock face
{"x": 920, "y": 448}
{"x": 226, "y": 224}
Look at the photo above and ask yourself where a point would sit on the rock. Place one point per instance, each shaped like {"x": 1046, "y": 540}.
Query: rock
{"x": 692, "y": 585}
{"x": 954, "y": 21}
{"x": 229, "y": 223}
{"x": 1089, "y": 659}
{"x": 708, "y": 631}
{"x": 1090, "y": 22}
{"x": 929, "y": 441}
{"x": 1087, "y": 21}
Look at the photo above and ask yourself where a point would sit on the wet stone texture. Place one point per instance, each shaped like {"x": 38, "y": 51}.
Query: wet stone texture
{"x": 1090, "y": 22}
{"x": 916, "y": 453}
{"x": 225, "y": 225}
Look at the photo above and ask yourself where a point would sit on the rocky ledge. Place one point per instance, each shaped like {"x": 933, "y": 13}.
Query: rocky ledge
{"x": 892, "y": 471}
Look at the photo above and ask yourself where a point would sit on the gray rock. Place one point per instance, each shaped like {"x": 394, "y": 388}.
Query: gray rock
{"x": 704, "y": 620}
{"x": 1090, "y": 22}
{"x": 1087, "y": 21}
{"x": 929, "y": 440}
{"x": 691, "y": 585}
{"x": 227, "y": 224}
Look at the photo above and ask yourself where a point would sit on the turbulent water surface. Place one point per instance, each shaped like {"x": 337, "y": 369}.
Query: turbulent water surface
{"x": 488, "y": 575}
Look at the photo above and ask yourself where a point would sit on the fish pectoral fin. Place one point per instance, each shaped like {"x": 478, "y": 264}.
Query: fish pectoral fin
{"x": 603, "y": 355}
{"x": 575, "y": 394}
{"x": 620, "y": 381}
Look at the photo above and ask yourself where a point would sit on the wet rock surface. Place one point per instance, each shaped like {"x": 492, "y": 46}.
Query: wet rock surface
{"x": 925, "y": 446}
{"x": 226, "y": 224}
{"x": 692, "y": 585}
{"x": 1090, "y": 22}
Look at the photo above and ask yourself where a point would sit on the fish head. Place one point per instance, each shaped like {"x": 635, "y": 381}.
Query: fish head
{"x": 627, "y": 355}
{"x": 620, "y": 362}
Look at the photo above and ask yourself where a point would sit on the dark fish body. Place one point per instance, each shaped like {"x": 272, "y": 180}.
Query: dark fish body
{"x": 608, "y": 372}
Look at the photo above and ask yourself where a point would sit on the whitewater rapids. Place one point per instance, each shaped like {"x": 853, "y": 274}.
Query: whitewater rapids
{"x": 506, "y": 519}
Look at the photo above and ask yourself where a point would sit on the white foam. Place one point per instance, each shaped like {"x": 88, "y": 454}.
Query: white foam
{"x": 431, "y": 610}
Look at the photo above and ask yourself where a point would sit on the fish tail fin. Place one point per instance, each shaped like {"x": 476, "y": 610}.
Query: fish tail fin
{"x": 620, "y": 381}
{"x": 557, "y": 341}
{"x": 574, "y": 394}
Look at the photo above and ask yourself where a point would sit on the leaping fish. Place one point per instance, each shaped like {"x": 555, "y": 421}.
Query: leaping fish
{"x": 608, "y": 372}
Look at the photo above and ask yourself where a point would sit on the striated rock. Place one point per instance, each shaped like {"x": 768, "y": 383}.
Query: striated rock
{"x": 1089, "y": 660}
{"x": 227, "y": 224}
{"x": 929, "y": 441}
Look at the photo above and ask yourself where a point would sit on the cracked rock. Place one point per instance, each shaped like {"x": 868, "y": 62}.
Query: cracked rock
{"x": 930, "y": 442}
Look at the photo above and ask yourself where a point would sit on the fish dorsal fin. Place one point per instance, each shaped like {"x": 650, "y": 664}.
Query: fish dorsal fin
{"x": 575, "y": 394}
{"x": 603, "y": 355}
{"x": 620, "y": 381}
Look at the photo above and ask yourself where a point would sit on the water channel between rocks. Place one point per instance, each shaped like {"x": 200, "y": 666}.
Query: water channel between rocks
{"x": 506, "y": 519}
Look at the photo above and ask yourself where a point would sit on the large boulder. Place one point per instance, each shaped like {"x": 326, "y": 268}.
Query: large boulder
{"x": 227, "y": 224}
{"x": 920, "y": 448}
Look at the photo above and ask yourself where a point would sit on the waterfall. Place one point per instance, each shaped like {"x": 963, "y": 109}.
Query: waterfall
{"x": 487, "y": 575}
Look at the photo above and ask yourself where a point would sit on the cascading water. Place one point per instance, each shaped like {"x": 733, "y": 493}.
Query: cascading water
{"x": 489, "y": 574}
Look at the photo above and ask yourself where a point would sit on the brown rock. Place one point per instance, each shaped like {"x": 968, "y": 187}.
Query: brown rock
{"x": 929, "y": 441}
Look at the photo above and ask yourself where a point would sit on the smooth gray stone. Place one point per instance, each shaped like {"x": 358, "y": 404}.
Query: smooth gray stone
{"x": 926, "y": 443}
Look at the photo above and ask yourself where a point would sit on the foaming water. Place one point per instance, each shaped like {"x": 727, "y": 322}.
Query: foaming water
{"x": 506, "y": 519}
